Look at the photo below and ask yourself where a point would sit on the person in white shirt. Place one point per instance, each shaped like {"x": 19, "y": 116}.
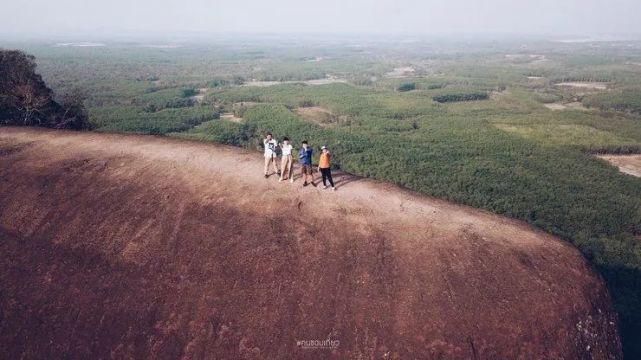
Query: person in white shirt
{"x": 270, "y": 145}
{"x": 286, "y": 161}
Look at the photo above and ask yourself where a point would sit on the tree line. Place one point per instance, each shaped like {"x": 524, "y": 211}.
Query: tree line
{"x": 26, "y": 100}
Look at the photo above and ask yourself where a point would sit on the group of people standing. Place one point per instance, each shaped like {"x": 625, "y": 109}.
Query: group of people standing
{"x": 284, "y": 167}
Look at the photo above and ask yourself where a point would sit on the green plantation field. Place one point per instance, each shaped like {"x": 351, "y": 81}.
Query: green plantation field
{"x": 466, "y": 123}
{"x": 134, "y": 119}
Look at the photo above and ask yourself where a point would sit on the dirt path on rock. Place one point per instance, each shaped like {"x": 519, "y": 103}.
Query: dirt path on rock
{"x": 371, "y": 201}
{"x": 127, "y": 246}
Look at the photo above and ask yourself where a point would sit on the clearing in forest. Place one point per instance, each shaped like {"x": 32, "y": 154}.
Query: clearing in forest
{"x": 576, "y": 105}
{"x": 317, "y": 115}
{"x": 585, "y": 85}
{"x": 324, "y": 81}
{"x": 231, "y": 117}
{"x": 401, "y": 72}
{"x": 629, "y": 164}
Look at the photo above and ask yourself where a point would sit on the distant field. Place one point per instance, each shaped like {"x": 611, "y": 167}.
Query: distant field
{"x": 512, "y": 128}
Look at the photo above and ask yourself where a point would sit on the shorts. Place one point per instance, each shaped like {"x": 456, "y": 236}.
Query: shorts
{"x": 306, "y": 169}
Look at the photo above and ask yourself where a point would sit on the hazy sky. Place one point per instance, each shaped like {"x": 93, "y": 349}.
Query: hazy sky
{"x": 549, "y": 17}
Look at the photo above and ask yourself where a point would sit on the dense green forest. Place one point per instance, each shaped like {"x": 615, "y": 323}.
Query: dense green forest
{"x": 466, "y": 123}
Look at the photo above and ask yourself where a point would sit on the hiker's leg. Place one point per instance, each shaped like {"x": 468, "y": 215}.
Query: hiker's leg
{"x": 324, "y": 175}
{"x": 283, "y": 165}
{"x": 290, "y": 169}
{"x": 275, "y": 164}
{"x": 267, "y": 160}
{"x": 329, "y": 176}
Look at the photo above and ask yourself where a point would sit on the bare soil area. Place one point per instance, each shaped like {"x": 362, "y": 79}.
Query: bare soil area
{"x": 318, "y": 115}
{"x": 325, "y": 81}
{"x": 532, "y": 58}
{"x": 585, "y": 85}
{"x": 566, "y": 106}
{"x": 629, "y": 164}
{"x": 231, "y": 117}
{"x": 259, "y": 83}
{"x": 200, "y": 96}
{"x": 127, "y": 246}
{"x": 401, "y": 72}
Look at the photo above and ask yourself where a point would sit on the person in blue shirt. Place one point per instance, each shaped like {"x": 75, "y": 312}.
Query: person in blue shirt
{"x": 305, "y": 159}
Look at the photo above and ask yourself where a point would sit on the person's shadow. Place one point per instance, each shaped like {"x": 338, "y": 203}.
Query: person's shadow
{"x": 340, "y": 178}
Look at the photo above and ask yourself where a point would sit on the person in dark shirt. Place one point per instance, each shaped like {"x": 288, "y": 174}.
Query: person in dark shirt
{"x": 305, "y": 159}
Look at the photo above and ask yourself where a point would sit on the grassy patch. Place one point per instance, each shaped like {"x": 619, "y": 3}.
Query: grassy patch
{"x": 583, "y": 136}
{"x": 136, "y": 120}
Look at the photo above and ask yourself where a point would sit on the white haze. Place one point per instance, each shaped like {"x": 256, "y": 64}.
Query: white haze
{"x": 88, "y": 18}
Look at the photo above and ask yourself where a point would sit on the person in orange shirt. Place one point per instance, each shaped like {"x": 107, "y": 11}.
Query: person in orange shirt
{"x": 325, "y": 168}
